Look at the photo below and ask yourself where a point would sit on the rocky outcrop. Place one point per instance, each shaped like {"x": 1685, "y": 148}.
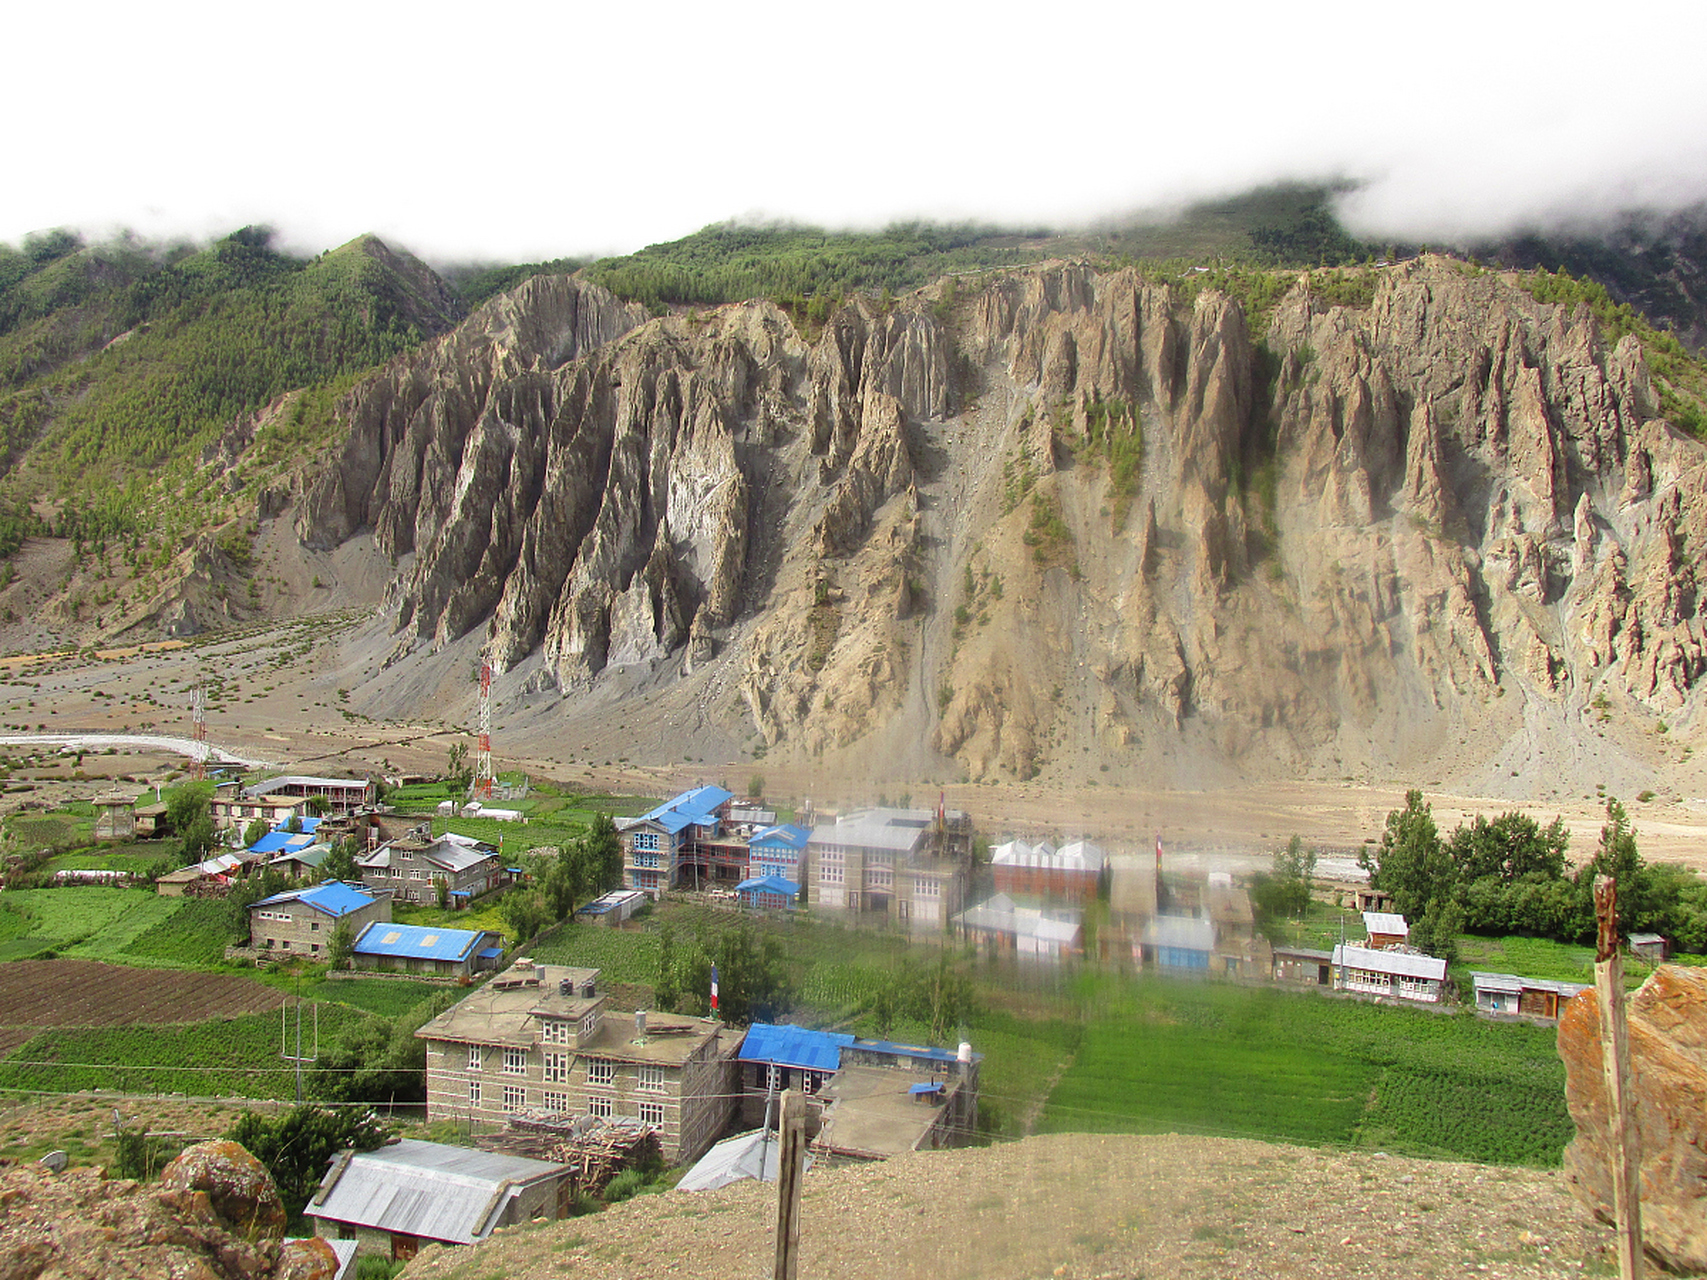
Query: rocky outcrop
{"x": 1668, "y": 1067}
{"x": 1385, "y": 520}
{"x": 215, "y": 1214}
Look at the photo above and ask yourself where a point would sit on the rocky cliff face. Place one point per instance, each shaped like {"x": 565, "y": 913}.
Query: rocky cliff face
{"x": 1069, "y": 518}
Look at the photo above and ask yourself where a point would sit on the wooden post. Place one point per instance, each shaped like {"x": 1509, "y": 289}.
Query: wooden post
{"x": 791, "y": 1166}
{"x": 1615, "y": 1058}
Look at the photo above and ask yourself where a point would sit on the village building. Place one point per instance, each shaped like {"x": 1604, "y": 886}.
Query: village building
{"x": 411, "y": 868}
{"x": 905, "y": 867}
{"x": 613, "y": 908}
{"x": 151, "y": 820}
{"x": 115, "y": 816}
{"x": 879, "y": 1098}
{"x": 409, "y": 1193}
{"x": 1073, "y": 871}
{"x": 1652, "y": 947}
{"x": 538, "y": 1038}
{"x": 302, "y": 920}
{"x": 212, "y": 875}
{"x": 1303, "y": 964}
{"x": 1000, "y": 926}
{"x": 1385, "y": 929}
{"x": 342, "y": 795}
{"x": 678, "y": 842}
{"x": 231, "y": 810}
{"x": 301, "y": 863}
{"x": 1399, "y": 975}
{"x": 426, "y": 950}
{"x": 1524, "y": 997}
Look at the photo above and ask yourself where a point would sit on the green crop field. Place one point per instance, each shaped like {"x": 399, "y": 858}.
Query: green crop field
{"x": 87, "y": 923}
{"x": 194, "y": 936}
{"x": 622, "y": 955}
{"x": 1163, "y": 1056}
{"x": 221, "y": 1056}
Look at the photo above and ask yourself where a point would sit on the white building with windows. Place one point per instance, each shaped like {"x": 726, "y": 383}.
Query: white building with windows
{"x": 886, "y": 863}
{"x": 1398, "y": 975}
{"x": 537, "y": 1038}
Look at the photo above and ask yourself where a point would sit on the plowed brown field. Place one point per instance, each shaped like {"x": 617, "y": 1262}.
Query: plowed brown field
{"x": 38, "y": 994}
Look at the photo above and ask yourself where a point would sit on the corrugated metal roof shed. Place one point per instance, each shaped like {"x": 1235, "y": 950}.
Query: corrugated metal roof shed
{"x": 1512, "y": 984}
{"x": 1386, "y": 922}
{"x": 1399, "y": 962}
{"x": 747, "y": 1155}
{"x": 426, "y": 1189}
{"x": 416, "y": 941}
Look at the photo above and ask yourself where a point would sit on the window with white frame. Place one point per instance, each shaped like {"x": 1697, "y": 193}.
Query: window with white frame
{"x": 589, "y": 1024}
{"x": 925, "y": 887}
{"x": 557, "y": 1068}
{"x": 881, "y": 877}
{"x": 555, "y": 1031}
{"x": 515, "y": 1097}
{"x": 600, "y": 1071}
{"x": 474, "y": 1093}
{"x": 475, "y": 1057}
{"x": 598, "y": 1106}
{"x": 652, "y": 1077}
{"x": 652, "y": 1113}
{"x": 556, "y": 1101}
{"x": 830, "y": 872}
{"x": 515, "y": 1062}
{"x": 415, "y": 873}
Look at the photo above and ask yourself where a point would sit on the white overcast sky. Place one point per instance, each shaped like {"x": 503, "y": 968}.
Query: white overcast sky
{"x": 518, "y": 130}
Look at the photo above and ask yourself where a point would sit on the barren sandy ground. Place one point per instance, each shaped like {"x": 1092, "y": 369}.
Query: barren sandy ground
{"x": 1082, "y": 1206}
{"x": 284, "y": 698}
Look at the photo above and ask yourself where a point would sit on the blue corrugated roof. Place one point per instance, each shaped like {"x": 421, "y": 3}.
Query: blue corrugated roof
{"x": 794, "y": 1047}
{"x": 696, "y": 807}
{"x": 334, "y": 897}
{"x": 383, "y": 939}
{"x": 769, "y": 884}
{"x": 786, "y": 836}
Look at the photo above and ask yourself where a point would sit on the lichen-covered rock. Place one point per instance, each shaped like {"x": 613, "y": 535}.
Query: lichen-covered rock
{"x": 1668, "y": 1067}
{"x": 307, "y": 1258}
{"x": 237, "y": 1185}
{"x": 80, "y": 1225}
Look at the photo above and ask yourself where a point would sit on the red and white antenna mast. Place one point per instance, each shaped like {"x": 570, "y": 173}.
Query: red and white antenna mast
{"x": 483, "y": 762}
{"x": 198, "y": 732}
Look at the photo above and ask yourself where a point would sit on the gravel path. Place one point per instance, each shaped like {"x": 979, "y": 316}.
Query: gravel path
{"x": 1083, "y": 1206}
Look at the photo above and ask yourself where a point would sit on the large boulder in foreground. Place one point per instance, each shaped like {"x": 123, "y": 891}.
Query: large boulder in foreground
{"x": 1668, "y": 1065}
{"x": 238, "y": 1186}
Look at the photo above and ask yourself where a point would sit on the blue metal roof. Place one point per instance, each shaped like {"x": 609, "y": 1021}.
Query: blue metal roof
{"x": 786, "y": 836}
{"x": 769, "y": 884}
{"x": 697, "y": 807}
{"x": 280, "y": 841}
{"x": 385, "y": 939}
{"x": 794, "y": 1047}
{"x": 334, "y": 897}
{"x": 489, "y": 953}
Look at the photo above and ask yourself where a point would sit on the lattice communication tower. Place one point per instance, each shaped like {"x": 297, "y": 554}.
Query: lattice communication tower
{"x": 198, "y": 731}
{"x": 483, "y": 778}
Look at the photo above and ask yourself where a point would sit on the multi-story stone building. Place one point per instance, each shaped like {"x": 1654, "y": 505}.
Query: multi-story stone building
{"x": 903, "y": 866}
{"x": 685, "y": 842}
{"x": 538, "y": 1038}
{"x": 409, "y": 868}
{"x": 301, "y": 920}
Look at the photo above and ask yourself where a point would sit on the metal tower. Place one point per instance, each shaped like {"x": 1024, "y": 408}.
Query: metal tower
{"x": 198, "y": 731}
{"x": 483, "y": 778}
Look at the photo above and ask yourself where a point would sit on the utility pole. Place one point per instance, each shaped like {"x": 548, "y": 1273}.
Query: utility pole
{"x": 791, "y": 1167}
{"x": 297, "y": 1057}
{"x": 1621, "y": 1127}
